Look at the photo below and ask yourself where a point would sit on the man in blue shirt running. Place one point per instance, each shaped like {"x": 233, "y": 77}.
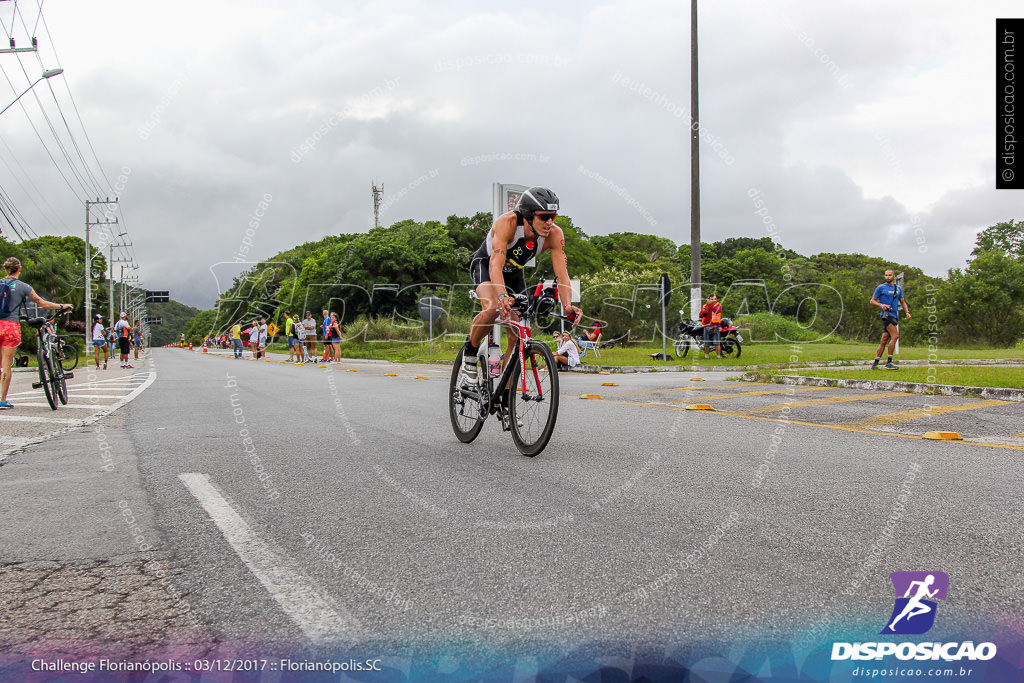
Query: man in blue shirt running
{"x": 888, "y": 297}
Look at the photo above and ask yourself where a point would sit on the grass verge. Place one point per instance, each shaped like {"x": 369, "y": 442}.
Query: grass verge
{"x": 959, "y": 375}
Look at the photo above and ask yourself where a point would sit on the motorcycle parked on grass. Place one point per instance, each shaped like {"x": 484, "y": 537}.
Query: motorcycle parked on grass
{"x": 691, "y": 333}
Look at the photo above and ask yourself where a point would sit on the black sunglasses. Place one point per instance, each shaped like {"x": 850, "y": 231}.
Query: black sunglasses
{"x": 545, "y": 216}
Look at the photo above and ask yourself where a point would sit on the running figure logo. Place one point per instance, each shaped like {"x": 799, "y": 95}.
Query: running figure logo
{"x": 916, "y": 595}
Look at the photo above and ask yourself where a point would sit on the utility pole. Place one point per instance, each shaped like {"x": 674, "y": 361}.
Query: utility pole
{"x": 378, "y": 193}
{"x": 88, "y": 263}
{"x": 695, "y": 294}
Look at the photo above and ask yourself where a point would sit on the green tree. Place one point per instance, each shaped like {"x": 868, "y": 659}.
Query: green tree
{"x": 983, "y": 303}
{"x": 1007, "y": 237}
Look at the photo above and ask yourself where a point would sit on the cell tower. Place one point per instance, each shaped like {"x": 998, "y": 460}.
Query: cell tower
{"x": 378, "y": 193}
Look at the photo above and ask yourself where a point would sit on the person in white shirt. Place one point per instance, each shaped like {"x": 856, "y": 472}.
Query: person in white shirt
{"x": 99, "y": 340}
{"x": 263, "y": 337}
{"x": 568, "y": 353}
{"x": 254, "y": 339}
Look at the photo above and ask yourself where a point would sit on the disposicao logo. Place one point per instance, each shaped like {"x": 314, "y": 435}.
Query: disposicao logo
{"x": 913, "y": 614}
{"x": 916, "y": 595}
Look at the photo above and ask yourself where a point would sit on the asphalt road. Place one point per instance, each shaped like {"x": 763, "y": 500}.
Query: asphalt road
{"x": 306, "y": 508}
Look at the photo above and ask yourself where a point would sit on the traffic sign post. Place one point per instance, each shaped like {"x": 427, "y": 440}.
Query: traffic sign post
{"x": 664, "y": 294}
{"x": 430, "y": 310}
{"x": 158, "y": 297}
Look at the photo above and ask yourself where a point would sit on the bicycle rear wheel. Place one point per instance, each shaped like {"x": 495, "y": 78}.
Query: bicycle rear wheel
{"x": 68, "y": 356}
{"x": 533, "y": 411}
{"x": 46, "y": 375}
{"x": 464, "y": 412}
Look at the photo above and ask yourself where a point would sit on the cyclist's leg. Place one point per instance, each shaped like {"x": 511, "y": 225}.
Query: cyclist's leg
{"x": 488, "y": 293}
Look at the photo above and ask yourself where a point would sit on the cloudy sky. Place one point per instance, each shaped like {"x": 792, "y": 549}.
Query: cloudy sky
{"x": 863, "y": 126}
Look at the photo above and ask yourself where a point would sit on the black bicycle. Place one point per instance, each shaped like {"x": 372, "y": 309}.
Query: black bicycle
{"x": 524, "y": 394}
{"x": 67, "y": 353}
{"x": 52, "y": 376}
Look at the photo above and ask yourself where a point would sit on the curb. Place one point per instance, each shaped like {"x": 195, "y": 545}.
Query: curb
{"x": 999, "y": 393}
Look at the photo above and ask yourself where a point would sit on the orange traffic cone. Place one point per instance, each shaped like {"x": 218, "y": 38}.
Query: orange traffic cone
{"x": 190, "y": 346}
{"x": 204, "y": 348}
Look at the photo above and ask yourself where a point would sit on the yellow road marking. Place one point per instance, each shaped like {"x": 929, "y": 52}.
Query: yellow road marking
{"x": 845, "y": 427}
{"x": 819, "y": 401}
{"x": 919, "y": 413}
{"x": 782, "y": 389}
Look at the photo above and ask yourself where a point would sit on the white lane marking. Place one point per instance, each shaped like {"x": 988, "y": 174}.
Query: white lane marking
{"x": 301, "y": 599}
{"x": 82, "y": 406}
{"x": 7, "y": 417}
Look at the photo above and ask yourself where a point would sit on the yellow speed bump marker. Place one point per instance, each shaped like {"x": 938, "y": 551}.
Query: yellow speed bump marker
{"x": 352, "y": 370}
{"x": 696, "y": 379}
{"x": 590, "y": 396}
{"x": 942, "y": 436}
{"x": 603, "y": 372}
{"x": 421, "y": 377}
{"x": 700, "y": 406}
{"x": 391, "y": 374}
{"x": 610, "y": 384}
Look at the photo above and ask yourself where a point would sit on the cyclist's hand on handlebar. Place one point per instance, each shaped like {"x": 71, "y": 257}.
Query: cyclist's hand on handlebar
{"x": 574, "y": 314}
{"x": 67, "y": 307}
{"x": 505, "y": 306}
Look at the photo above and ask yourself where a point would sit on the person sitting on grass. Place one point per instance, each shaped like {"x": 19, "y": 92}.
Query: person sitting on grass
{"x": 568, "y": 353}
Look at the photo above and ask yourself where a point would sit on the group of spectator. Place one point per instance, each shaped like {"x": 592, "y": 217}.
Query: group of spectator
{"x": 300, "y": 334}
{"x": 121, "y": 336}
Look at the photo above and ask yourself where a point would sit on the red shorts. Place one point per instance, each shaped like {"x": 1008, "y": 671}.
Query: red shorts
{"x": 10, "y": 333}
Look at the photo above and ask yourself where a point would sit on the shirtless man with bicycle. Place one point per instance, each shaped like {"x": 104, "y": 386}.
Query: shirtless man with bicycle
{"x": 526, "y": 231}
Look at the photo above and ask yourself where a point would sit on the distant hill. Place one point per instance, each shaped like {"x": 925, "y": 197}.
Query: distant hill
{"x": 174, "y": 316}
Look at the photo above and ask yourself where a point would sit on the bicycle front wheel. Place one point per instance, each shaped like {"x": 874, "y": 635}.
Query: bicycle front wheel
{"x": 464, "y": 412}
{"x": 69, "y": 357}
{"x": 533, "y": 409}
{"x": 60, "y": 382}
{"x": 46, "y": 376}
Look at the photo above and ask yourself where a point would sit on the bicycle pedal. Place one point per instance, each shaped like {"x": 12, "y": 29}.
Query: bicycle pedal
{"x": 37, "y": 385}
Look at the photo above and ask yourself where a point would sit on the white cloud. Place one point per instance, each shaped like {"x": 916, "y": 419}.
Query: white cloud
{"x": 852, "y": 117}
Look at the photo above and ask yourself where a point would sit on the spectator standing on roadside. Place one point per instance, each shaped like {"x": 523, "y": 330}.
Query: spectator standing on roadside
{"x": 254, "y": 339}
{"x": 263, "y": 338}
{"x": 124, "y": 334}
{"x": 300, "y": 341}
{"x": 137, "y": 338}
{"x": 888, "y": 297}
{"x": 99, "y": 342}
{"x": 236, "y": 339}
{"x": 10, "y": 324}
{"x": 111, "y": 341}
{"x": 310, "y": 325}
{"x": 335, "y": 330}
{"x": 711, "y": 318}
{"x": 325, "y": 330}
{"x": 289, "y": 334}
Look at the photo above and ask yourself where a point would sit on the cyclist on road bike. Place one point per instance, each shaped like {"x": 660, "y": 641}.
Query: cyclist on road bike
{"x": 10, "y": 325}
{"x": 526, "y": 231}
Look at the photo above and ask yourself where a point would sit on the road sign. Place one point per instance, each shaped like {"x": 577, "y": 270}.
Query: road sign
{"x": 154, "y": 321}
{"x": 158, "y": 297}
{"x": 430, "y": 308}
